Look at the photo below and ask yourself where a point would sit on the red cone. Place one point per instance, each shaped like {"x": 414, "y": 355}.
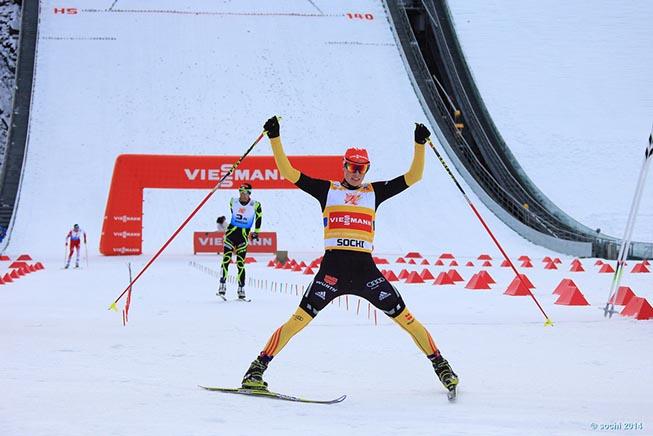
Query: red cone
{"x": 477, "y": 282}
{"x": 527, "y": 264}
{"x": 572, "y": 297}
{"x": 400, "y": 260}
{"x": 547, "y": 259}
{"x": 505, "y": 264}
{"x": 623, "y": 296}
{"x": 484, "y": 257}
{"x": 426, "y": 274}
{"x": 517, "y": 288}
{"x": 424, "y": 262}
{"x": 7, "y": 278}
{"x": 414, "y": 255}
{"x": 381, "y": 261}
{"x": 24, "y": 257}
{"x": 453, "y": 263}
{"x": 606, "y": 268}
{"x": 487, "y": 263}
{"x": 523, "y": 258}
{"x": 643, "y": 310}
{"x": 308, "y": 271}
{"x": 391, "y": 276}
{"x": 403, "y": 274}
{"x": 469, "y": 263}
{"x": 438, "y": 262}
{"x": 446, "y": 256}
{"x": 443, "y": 279}
{"x": 598, "y": 262}
{"x": 640, "y": 268}
{"x": 550, "y": 265}
{"x": 563, "y": 285}
{"x": 4, "y": 258}
{"x": 454, "y": 276}
{"x": 412, "y": 261}
{"x": 576, "y": 267}
{"x": 414, "y": 278}
{"x": 527, "y": 281}
{"x": 486, "y": 276}
{"x": 638, "y": 307}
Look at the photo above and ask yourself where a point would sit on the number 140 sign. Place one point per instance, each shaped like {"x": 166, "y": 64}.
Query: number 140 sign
{"x": 358, "y": 16}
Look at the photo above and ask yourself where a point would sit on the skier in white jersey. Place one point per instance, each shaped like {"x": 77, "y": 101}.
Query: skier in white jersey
{"x": 74, "y": 235}
{"x": 349, "y": 213}
{"x": 245, "y": 214}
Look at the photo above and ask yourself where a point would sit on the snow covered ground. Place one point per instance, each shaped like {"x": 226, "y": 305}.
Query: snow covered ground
{"x": 140, "y": 80}
{"x": 70, "y": 367}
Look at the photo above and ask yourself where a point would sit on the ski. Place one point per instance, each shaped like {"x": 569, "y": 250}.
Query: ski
{"x": 244, "y": 300}
{"x": 272, "y": 395}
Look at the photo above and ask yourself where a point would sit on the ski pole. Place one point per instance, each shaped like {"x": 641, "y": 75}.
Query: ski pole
{"x": 65, "y": 253}
{"x": 547, "y": 321}
{"x": 86, "y": 253}
{"x": 192, "y": 214}
{"x": 630, "y": 225}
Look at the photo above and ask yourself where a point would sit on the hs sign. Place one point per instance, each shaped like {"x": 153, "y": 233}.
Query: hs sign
{"x": 66, "y": 11}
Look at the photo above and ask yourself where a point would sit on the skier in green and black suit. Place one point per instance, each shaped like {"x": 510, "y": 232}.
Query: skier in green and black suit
{"x": 245, "y": 213}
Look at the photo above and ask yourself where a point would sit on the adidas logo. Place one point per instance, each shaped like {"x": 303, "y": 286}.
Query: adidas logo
{"x": 321, "y": 294}
{"x": 383, "y": 295}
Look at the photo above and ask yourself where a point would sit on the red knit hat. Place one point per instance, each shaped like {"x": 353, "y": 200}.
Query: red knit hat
{"x": 357, "y": 155}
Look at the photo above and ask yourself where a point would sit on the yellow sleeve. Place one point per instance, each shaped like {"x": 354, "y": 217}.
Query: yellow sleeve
{"x": 287, "y": 170}
{"x": 416, "y": 169}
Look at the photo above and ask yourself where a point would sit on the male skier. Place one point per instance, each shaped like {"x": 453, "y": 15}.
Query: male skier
{"x": 245, "y": 213}
{"x": 349, "y": 207}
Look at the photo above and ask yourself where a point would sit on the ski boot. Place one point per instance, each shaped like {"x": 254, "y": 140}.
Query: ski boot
{"x": 222, "y": 290}
{"x": 253, "y": 378}
{"x": 76, "y": 264}
{"x": 241, "y": 293}
{"x": 446, "y": 375}
{"x": 66, "y": 267}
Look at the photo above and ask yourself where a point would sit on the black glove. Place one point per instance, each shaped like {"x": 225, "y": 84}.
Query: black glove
{"x": 254, "y": 236}
{"x": 421, "y": 133}
{"x": 271, "y": 126}
{"x": 221, "y": 219}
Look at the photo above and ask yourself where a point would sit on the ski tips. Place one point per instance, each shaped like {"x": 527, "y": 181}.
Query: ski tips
{"x": 548, "y": 323}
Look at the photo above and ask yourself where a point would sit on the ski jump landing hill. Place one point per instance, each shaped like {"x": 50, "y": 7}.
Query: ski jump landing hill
{"x": 197, "y": 78}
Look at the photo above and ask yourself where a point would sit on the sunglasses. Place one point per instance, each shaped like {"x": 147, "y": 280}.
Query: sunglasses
{"x": 357, "y": 168}
{"x": 245, "y": 190}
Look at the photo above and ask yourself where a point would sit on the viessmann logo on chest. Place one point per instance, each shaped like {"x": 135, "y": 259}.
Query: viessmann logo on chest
{"x": 349, "y": 220}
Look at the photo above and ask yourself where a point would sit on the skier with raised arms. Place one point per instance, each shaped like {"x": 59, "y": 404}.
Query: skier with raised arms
{"x": 349, "y": 209}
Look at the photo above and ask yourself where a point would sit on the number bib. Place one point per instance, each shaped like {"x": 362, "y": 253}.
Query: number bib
{"x": 349, "y": 218}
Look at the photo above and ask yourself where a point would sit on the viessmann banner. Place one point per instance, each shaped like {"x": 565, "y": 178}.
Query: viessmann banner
{"x": 122, "y": 229}
{"x": 213, "y": 242}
